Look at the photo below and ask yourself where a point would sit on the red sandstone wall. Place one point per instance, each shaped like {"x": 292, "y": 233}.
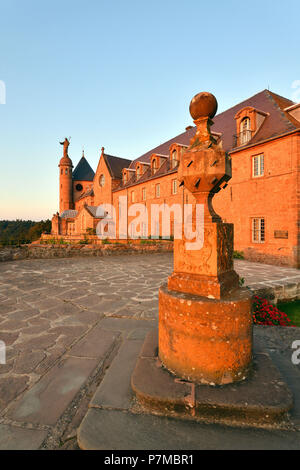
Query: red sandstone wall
{"x": 85, "y": 186}
{"x": 166, "y": 196}
{"x": 83, "y": 221}
{"x": 89, "y": 200}
{"x": 102, "y": 194}
{"x": 272, "y": 196}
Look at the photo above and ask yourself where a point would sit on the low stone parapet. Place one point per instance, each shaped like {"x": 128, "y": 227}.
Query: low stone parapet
{"x": 36, "y": 251}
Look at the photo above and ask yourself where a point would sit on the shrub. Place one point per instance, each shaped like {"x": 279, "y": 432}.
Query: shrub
{"x": 148, "y": 242}
{"x": 265, "y": 313}
{"x": 105, "y": 241}
{"x": 50, "y": 241}
{"x": 83, "y": 241}
{"x": 238, "y": 255}
{"x": 91, "y": 231}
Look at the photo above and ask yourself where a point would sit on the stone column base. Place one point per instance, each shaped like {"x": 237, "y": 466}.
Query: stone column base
{"x": 261, "y": 401}
{"x": 203, "y": 340}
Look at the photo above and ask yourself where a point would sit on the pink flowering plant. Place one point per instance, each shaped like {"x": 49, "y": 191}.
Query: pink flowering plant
{"x": 265, "y": 313}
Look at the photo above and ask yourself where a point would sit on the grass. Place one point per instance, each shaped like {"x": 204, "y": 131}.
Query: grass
{"x": 292, "y": 309}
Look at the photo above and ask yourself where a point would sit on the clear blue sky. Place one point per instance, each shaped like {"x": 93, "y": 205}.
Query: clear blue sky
{"x": 120, "y": 74}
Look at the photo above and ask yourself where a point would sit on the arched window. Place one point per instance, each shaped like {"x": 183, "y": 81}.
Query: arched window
{"x": 174, "y": 159}
{"x": 102, "y": 180}
{"x": 245, "y": 131}
{"x": 154, "y": 165}
{"x": 245, "y": 124}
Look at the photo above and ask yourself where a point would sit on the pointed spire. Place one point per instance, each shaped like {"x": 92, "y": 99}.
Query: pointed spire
{"x": 83, "y": 153}
{"x": 102, "y": 150}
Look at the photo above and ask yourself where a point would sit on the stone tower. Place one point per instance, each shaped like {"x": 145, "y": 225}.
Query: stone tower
{"x": 65, "y": 179}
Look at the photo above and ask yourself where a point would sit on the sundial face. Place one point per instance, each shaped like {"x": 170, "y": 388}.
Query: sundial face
{"x": 204, "y": 169}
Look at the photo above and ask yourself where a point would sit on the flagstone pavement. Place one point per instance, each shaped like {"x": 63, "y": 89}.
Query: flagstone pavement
{"x": 67, "y": 323}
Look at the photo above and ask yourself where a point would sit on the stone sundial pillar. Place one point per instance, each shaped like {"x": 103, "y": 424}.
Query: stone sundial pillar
{"x": 205, "y": 323}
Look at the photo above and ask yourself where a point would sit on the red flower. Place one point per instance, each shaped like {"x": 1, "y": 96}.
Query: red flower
{"x": 265, "y": 313}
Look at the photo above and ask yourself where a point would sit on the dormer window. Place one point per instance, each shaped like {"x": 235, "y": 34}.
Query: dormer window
{"x": 248, "y": 122}
{"x": 139, "y": 171}
{"x": 154, "y": 166}
{"x": 245, "y": 131}
{"x": 174, "y": 159}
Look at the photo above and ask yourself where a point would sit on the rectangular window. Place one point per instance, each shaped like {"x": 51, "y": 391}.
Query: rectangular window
{"x": 144, "y": 194}
{"x": 258, "y": 230}
{"x": 132, "y": 196}
{"x": 174, "y": 186}
{"x": 258, "y": 165}
{"x": 157, "y": 190}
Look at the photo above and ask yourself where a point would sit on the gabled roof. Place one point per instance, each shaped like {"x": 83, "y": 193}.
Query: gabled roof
{"x": 68, "y": 214}
{"x": 83, "y": 171}
{"x": 164, "y": 169}
{"x": 116, "y": 165}
{"x": 96, "y": 211}
{"x": 276, "y": 123}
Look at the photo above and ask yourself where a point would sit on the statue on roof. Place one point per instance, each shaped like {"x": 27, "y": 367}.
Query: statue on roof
{"x": 65, "y": 144}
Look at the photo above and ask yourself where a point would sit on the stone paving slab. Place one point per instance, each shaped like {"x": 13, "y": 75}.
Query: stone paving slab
{"x": 274, "y": 282}
{"x": 11, "y": 387}
{"x": 47, "y": 400}
{"x": 47, "y": 307}
{"x": 115, "y": 389}
{"x": 124, "y": 324}
{"x": 112, "y": 428}
{"x": 16, "y": 438}
{"x": 97, "y": 343}
{"x": 120, "y": 430}
{"x": 291, "y": 373}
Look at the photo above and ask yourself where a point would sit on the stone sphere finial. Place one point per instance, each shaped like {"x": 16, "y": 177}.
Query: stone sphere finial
{"x": 203, "y": 105}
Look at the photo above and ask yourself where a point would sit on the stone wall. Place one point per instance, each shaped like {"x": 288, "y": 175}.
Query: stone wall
{"x": 272, "y": 196}
{"x": 36, "y": 251}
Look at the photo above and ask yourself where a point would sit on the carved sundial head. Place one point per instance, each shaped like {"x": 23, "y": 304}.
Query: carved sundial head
{"x": 204, "y": 167}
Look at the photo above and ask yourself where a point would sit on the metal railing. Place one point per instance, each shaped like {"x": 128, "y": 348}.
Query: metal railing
{"x": 242, "y": 138}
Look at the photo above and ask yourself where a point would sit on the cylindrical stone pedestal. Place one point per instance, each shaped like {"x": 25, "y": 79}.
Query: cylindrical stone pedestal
{"x": 205, "y": 340}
